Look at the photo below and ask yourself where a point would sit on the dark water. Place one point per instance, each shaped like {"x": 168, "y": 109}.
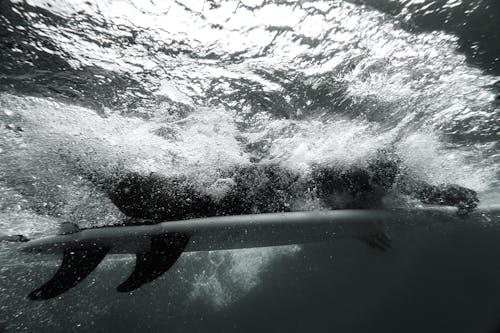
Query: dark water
{"x": 189, "y": 87}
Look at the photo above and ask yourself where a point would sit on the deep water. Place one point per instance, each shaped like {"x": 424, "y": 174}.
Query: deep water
{"x": 191, "y": 87}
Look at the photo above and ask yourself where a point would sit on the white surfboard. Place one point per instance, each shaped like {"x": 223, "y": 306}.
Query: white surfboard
{"x": 257, "y": 230}
{"x": 158, "y": 246}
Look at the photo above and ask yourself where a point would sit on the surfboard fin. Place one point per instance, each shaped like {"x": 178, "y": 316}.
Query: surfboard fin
{"x": 76, "y": 265}
{"x": 164, "y": 252}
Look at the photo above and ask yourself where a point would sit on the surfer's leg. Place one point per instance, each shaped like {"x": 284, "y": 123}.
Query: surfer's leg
{"x": 158, "y": 197}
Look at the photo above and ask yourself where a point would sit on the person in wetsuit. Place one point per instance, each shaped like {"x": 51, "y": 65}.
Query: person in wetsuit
{"x": 256, "y": 188}
{"x": 271, "y": 188}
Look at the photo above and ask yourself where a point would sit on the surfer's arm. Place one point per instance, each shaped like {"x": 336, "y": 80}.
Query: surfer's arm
{"x": 444, "y": 194}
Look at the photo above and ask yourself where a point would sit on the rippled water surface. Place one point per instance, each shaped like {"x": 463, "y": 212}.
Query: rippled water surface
{"x": 189, "y": 87}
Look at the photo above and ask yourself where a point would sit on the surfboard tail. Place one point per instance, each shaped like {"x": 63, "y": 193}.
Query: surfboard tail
{"x": 78, "y": 263}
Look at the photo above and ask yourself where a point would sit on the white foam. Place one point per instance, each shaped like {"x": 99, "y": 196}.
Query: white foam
{"x": 302, "y": 143}
{"x": 232, "y": 274}
{"x": 428, "y": 158}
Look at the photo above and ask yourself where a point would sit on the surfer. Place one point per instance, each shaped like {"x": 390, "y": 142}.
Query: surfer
{"x": 256, "y": 188}
{"x": 271, "y": 188}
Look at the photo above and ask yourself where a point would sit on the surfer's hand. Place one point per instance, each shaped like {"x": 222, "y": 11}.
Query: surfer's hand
{"x": 463, "y": 198}
{"x": 377, "y": 240}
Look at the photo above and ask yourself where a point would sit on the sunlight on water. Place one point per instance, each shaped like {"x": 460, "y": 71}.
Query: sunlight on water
{"x": 193, "y": 87}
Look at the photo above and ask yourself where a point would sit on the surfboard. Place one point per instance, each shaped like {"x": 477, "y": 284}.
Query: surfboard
{"x": 158, "y": 246}
{"x": 256, "y": 230}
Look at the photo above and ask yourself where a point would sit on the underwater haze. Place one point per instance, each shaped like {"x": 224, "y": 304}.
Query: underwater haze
{"x": 190, "y": 87}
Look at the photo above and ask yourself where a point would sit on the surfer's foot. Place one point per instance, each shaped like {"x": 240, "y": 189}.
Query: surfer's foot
{"x": 377, "y": 240}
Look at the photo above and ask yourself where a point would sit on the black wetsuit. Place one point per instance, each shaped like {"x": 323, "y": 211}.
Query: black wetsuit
{"x": 267, "y": 188}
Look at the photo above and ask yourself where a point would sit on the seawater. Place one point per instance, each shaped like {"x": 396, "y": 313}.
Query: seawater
{"x": 190, "y": 87}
